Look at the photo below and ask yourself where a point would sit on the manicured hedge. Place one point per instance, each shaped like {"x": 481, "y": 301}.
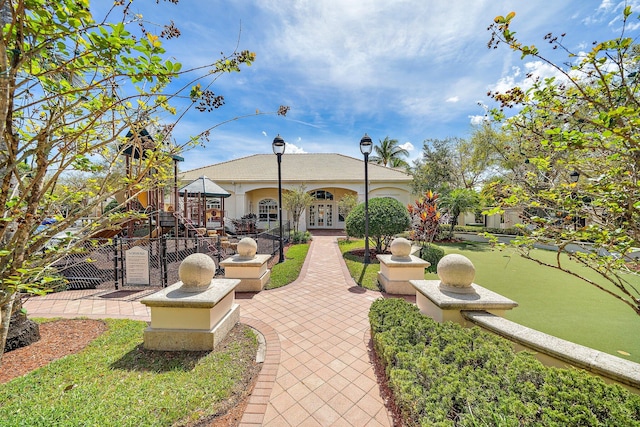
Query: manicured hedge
{"x": 479, "y": 229}
{"x": 433, "y": 255}
{"x": 446, "y": 375}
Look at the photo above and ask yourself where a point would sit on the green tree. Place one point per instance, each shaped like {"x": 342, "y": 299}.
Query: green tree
{"x": 457, "y": 162}
{"x": 457, "y": 202}
{"x": 580, "y": 124}
{"x": 112, "y": 205}
{"x": 71, "y": 88}
{"x": 387, "y": 217}
{"x": 346, "y": 205}
{"x": 503, "y": 154}
{"x": 478, "y": 158}
{"x": 389, "y": 153}
{"x": 435, "y": 169}
{"x": 296, "y": 201}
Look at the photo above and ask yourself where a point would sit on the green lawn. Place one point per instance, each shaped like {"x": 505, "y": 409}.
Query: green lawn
{"x": 549, "y": 300}
{"x": 288, "y": 271}
{"x": 115, "y": 382}
{"x": 555, "y": 302}
{"x": 364, "y": 275}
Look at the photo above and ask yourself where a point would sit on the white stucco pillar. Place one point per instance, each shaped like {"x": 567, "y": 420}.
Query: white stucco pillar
{"x": 303, "y": 221}
{"x": 240, "y": 205}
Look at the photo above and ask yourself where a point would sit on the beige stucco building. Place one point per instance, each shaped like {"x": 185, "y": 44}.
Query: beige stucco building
{"x": 253, "y": 184}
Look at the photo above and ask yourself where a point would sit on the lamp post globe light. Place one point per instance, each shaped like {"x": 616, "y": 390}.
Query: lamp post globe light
{"x": 365, "y": 148}
{"x": 574, "y": 177}
{"x": 278, "y": 146}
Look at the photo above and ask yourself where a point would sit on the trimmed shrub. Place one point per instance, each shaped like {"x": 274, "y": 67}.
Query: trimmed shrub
{"x": 475, "y": 229}
{"x": 446, "y": 375}
{"x": 387, "y": 217}
{"x": 298, "y": 237}
{"x": 432, "y": 254}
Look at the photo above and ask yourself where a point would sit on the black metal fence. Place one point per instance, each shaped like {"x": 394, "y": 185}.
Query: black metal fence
{"x": 102, "y": 263}
{"x": 269, "y": 240}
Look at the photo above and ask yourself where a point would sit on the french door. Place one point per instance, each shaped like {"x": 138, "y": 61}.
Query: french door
{"x": 321, "y": 215}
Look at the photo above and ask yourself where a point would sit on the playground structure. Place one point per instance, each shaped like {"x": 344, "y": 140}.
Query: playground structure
{"x": 195, "y": 209}
{"x": 151, "y": 201}
{"x": 196, "y": 206}
{"x": 176, "y": 226}
{"x": 186, "y": 220}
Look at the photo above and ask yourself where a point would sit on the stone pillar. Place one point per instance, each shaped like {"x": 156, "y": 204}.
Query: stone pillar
{"x": 249, "y": 268}
{"x": 194, "y": 314}
{"x": 444, "y": 299}
{"x": 397, "y": 269}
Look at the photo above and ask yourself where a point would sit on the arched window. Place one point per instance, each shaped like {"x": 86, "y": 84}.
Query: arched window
{"x": 267, "y": 210}
{"x": 322, "y": 195}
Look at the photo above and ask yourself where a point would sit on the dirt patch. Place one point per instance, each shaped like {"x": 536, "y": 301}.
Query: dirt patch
{"x": 359, "y": 253}
{"x": 57, "y": 339}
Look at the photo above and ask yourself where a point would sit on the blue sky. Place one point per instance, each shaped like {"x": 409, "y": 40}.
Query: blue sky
{"x": 407, "y": 69}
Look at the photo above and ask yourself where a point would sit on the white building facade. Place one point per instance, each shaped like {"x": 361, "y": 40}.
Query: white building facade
{"x": 253, "y": 184}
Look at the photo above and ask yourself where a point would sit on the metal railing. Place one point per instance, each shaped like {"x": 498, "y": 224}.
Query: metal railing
{"x": 269, "y": 240}
{"x": 102, "y": 263}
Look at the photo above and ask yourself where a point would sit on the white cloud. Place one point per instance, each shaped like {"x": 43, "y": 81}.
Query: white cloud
{"x": 407, "y": 146}
{"x": 532, "y": 71}
{"x": 413, "y": 68}
{"x": 294, "y": 149}
{"x": 418, "y": 106}
{"x": 400, "y": 54}
{"x": 360, "y": 44}
{"x": 477, "y": 120}
{"x": 610, "y": 11}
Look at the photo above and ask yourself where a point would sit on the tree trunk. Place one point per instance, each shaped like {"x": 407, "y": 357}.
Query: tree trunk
{"x": 22, "y": 331}
{"x": 5, "y": 318}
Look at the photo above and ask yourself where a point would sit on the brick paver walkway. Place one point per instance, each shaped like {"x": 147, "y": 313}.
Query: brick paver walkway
{"x": 317, "y": 370}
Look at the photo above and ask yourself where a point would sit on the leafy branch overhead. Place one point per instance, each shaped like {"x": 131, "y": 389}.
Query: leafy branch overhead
{"x": 572, "y": 146}
{"x": 87, "y": 111}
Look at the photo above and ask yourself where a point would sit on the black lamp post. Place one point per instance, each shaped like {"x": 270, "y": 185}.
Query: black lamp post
{"x": 365, "y": 148}
{"x": 573, "y": 179}
{"x": 278, "y": 146}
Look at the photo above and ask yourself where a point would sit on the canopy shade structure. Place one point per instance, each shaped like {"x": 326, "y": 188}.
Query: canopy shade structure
{"x": 203, "y": 186}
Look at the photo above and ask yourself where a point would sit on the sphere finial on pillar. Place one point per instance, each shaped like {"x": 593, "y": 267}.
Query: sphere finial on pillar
{"x": 247, "y": 248}
{"x": 456, "y": 273}
{"x": 196, "y": 272}
{"x": 400, "y": 248}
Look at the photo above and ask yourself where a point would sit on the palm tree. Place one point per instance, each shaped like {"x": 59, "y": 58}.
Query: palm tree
{"x": 457, "y": 202}
{"x": 388, "y": 153}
